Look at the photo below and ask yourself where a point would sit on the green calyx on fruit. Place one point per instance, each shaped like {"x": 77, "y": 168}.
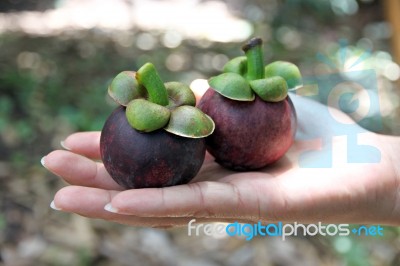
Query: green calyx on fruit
{"x": 152, "y": 104}
{"x": 245, "y": 76}
{"x": 125, "y": 88}
{"x": 274, "y": 89}
{"x": 288, "y": 71}
{"x": 191, "y": 122}
{"x": 232, "y": 86}
{"x": 179, "y": 94}
{"x": 147, "y": 116}
{"x": 236, "y": 65}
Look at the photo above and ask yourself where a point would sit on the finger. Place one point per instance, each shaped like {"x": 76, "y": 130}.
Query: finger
{"x": 90, "y": 202}
{"x": 84, "y": 143}
{"x": 208, "y": 157}
{"x": 79, "y": 170}
{"x": 202, "y": 199}
{"x": 199, "y": 87}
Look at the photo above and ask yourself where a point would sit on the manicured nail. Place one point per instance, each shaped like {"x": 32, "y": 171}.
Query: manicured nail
{"x": 54, "y": 207}
{"x": 110, "y": 208}
{"x": 62, "y": 143}
{"x": 43, "y": 162}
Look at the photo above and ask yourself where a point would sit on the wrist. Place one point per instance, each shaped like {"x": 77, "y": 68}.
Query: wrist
{"x": 391, "y": 155}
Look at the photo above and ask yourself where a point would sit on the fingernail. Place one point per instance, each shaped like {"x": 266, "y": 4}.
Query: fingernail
{"x": 43, "y": 162}
{"x": 62, "y": 143}
{"x": 54, "y": 207}
{"x": 110, "y": 208}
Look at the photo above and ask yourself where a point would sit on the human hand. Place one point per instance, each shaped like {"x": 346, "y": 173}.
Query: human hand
{"x": 345, "y": 193}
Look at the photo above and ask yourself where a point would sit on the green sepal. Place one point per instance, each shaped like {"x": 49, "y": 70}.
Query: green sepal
{"x": 179, "y": 94}
{"x": 289, "y": 71}
{"x": 232, "y": 86}
{"x": 152, "y": 105}
{"x": 191, "y": 122}
{"x": 237, "y": 65}
{"x": 125, "y": 88}
{"x": 272, "y": 89}
{"x": 146, "y": 116}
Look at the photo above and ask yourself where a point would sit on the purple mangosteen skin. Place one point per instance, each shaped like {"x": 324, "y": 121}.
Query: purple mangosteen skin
{"x": 248, "y": 135}
{"x": 143, "y": 160}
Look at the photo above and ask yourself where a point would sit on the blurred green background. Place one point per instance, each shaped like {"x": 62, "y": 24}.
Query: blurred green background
{"x": 57, "y": 59}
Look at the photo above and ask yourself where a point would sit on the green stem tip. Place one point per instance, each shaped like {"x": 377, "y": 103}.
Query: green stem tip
{"x": 255, "y": 59}
{"x": 148, "y": 76}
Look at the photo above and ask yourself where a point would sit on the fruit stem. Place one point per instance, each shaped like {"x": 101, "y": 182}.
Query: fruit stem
{"x": 255, "y": 59}
{"x": 148, "y": 76}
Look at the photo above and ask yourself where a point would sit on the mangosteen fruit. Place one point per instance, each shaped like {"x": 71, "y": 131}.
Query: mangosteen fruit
{"x": 155, "y": 138}
{"x": 254, "y": 116}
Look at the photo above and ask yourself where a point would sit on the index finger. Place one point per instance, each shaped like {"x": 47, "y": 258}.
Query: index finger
{"x": 84, "y": 143}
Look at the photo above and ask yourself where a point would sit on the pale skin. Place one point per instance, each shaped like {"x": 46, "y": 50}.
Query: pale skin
{"x": 366, "y": 193}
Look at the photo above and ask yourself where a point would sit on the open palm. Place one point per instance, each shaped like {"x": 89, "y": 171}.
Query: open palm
{"x": 286, "y": 191}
